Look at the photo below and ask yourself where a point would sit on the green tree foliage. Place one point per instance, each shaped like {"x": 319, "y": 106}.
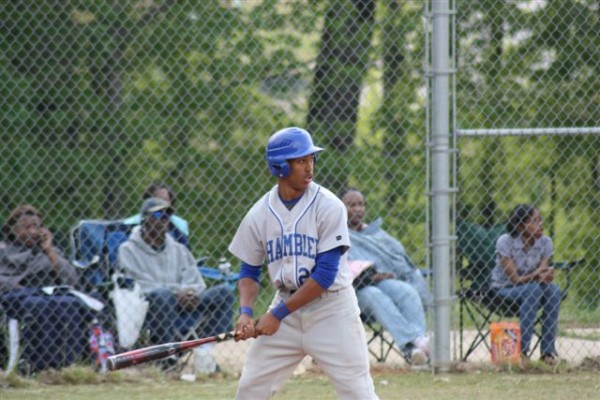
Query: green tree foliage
{"x": 106, "y": 96}
{"x": 102, "y": 97}
{"x": 400, "y": 120}
{"x": 530, "y": 65}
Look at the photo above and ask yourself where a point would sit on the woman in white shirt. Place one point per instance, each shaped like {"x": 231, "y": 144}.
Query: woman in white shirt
{"x": 523, "y": 274}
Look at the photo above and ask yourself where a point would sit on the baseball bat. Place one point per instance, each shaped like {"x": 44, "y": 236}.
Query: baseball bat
{"x": 145, "y": 354}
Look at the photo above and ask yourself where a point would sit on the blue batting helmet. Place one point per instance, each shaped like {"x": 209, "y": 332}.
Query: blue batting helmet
{"x": 287, "y": 144}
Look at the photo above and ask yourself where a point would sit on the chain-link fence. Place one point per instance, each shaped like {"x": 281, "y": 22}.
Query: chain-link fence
{"x": 527, "y": 122}
{"x": 103, "y": 98}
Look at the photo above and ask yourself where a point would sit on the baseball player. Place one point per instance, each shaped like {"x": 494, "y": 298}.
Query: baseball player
{"x": 299, "y": 229}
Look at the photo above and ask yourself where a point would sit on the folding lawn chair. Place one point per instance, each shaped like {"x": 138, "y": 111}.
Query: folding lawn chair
{"x": 478, "y": 301}
{"x": 9, "y": 343}
{"x": 379, "y": 343}
{"x": 94, "y": 248}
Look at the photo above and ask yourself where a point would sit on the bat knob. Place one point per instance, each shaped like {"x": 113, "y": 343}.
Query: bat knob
{"x": 110, "y": 364}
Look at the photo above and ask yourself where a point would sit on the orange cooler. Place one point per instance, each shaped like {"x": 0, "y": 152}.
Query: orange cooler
{"x": 506, "y": 342}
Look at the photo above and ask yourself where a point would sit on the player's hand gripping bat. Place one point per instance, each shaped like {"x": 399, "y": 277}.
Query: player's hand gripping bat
{"x": 138, "y": 356}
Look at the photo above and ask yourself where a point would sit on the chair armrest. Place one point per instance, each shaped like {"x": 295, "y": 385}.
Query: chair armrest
{"x": 86, "y": 264}
{"x": 426, "y": 272}
{"x": 201, "y": 261}
{"x": 566, "y": 265}
{"x": 216, "y": 274}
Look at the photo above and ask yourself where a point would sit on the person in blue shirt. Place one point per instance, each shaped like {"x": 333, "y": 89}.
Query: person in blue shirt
{"x": 396, "y": 295}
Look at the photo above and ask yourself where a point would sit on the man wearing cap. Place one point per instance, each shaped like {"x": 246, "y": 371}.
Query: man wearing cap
{"x": 167, "y": 274}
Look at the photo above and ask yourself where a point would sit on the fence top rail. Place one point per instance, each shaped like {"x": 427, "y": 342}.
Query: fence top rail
{"x": 594, "y": 130}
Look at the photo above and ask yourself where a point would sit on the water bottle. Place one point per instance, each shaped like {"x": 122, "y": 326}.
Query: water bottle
{"x": 101, "y": 346}
{"x": 224, "y": 266}
{"x": 204, "y": 360}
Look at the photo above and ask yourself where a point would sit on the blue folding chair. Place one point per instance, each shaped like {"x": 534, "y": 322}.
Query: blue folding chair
{"x": 95, "y": 245}
{"x": 94, "y": 249}
{"x": 222, "y": 273}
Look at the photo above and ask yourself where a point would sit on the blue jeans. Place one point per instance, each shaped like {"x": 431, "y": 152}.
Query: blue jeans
{"x": 165, "y": 318}
{"x": 531, "y": 297}
{"x": 396, "y": 305}
{"x": 54, "y": 328}
{"x": 419, "y": 283}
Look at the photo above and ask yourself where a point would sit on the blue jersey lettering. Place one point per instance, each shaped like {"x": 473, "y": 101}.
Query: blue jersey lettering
{"x": 292, "y": 244}
{"x": 287, "y": 246}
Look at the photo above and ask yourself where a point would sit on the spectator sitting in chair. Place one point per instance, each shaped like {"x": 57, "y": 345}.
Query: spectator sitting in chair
{"x": 395, "y": 294}
{"x": 168, "y": 275}
{"x": 54, "y": 323}
{"x": 178, "y": 227}
{"x": 523, "y": 273}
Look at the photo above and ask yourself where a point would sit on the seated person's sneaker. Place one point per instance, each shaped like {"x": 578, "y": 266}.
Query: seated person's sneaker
{"x": 550, "y": 359}
{"x": 414, "y": 355}
{"x": 524, "y": 361}
{"x": 422, "y": 343}
{"x": 418, "y": 357}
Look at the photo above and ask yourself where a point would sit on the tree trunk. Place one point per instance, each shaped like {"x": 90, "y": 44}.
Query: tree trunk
{"x": 394, "y": 147}
{"x": 487, "y": 175}
{"x": 108, "y": 84}
{"x": 109, "y": 88}
{"x": 341, "y": 66}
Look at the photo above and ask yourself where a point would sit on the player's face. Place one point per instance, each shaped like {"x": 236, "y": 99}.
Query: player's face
{"x": 355, "y": 204}
{"x": 301, "y": 174}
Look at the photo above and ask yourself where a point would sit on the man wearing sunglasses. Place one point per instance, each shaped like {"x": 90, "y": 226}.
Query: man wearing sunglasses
{"x": 178, "y": 227}
{"x": 168, "y": 276}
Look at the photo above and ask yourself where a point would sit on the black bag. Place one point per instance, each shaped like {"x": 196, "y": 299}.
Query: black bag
{"x": 366, "y": 278}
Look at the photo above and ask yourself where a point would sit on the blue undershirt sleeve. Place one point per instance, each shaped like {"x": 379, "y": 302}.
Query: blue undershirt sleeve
{"x": 326, "y": 267}
{"x": 250, "y": 271}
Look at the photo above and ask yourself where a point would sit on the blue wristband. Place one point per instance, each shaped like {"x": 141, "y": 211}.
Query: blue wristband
{"x": 280, "y": 311}
{"x": 247, "y": 310}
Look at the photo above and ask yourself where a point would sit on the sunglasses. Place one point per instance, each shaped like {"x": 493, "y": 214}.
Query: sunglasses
{"x": 160, "y": 214}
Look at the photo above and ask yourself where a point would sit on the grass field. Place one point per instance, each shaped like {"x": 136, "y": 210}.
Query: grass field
{"x": 483, "y": 383}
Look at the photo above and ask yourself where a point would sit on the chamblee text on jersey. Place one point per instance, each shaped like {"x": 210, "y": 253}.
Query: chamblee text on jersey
{"x": 292, "y": 244}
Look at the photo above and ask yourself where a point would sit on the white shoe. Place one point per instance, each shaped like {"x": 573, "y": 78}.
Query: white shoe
{"x": 418, "y": 357}
{"x": 422, "y": 343}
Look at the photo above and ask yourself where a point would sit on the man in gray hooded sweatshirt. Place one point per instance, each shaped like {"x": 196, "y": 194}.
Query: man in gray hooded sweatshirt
{"x": 168, "y": 276}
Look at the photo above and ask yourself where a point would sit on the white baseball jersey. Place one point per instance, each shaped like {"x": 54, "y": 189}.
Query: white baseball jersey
{"x": 328, "y": 328}
{"x": 289, "y": 240}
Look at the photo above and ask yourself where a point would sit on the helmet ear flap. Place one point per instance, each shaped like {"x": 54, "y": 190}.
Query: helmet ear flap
{"x": 280, "y": 170}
